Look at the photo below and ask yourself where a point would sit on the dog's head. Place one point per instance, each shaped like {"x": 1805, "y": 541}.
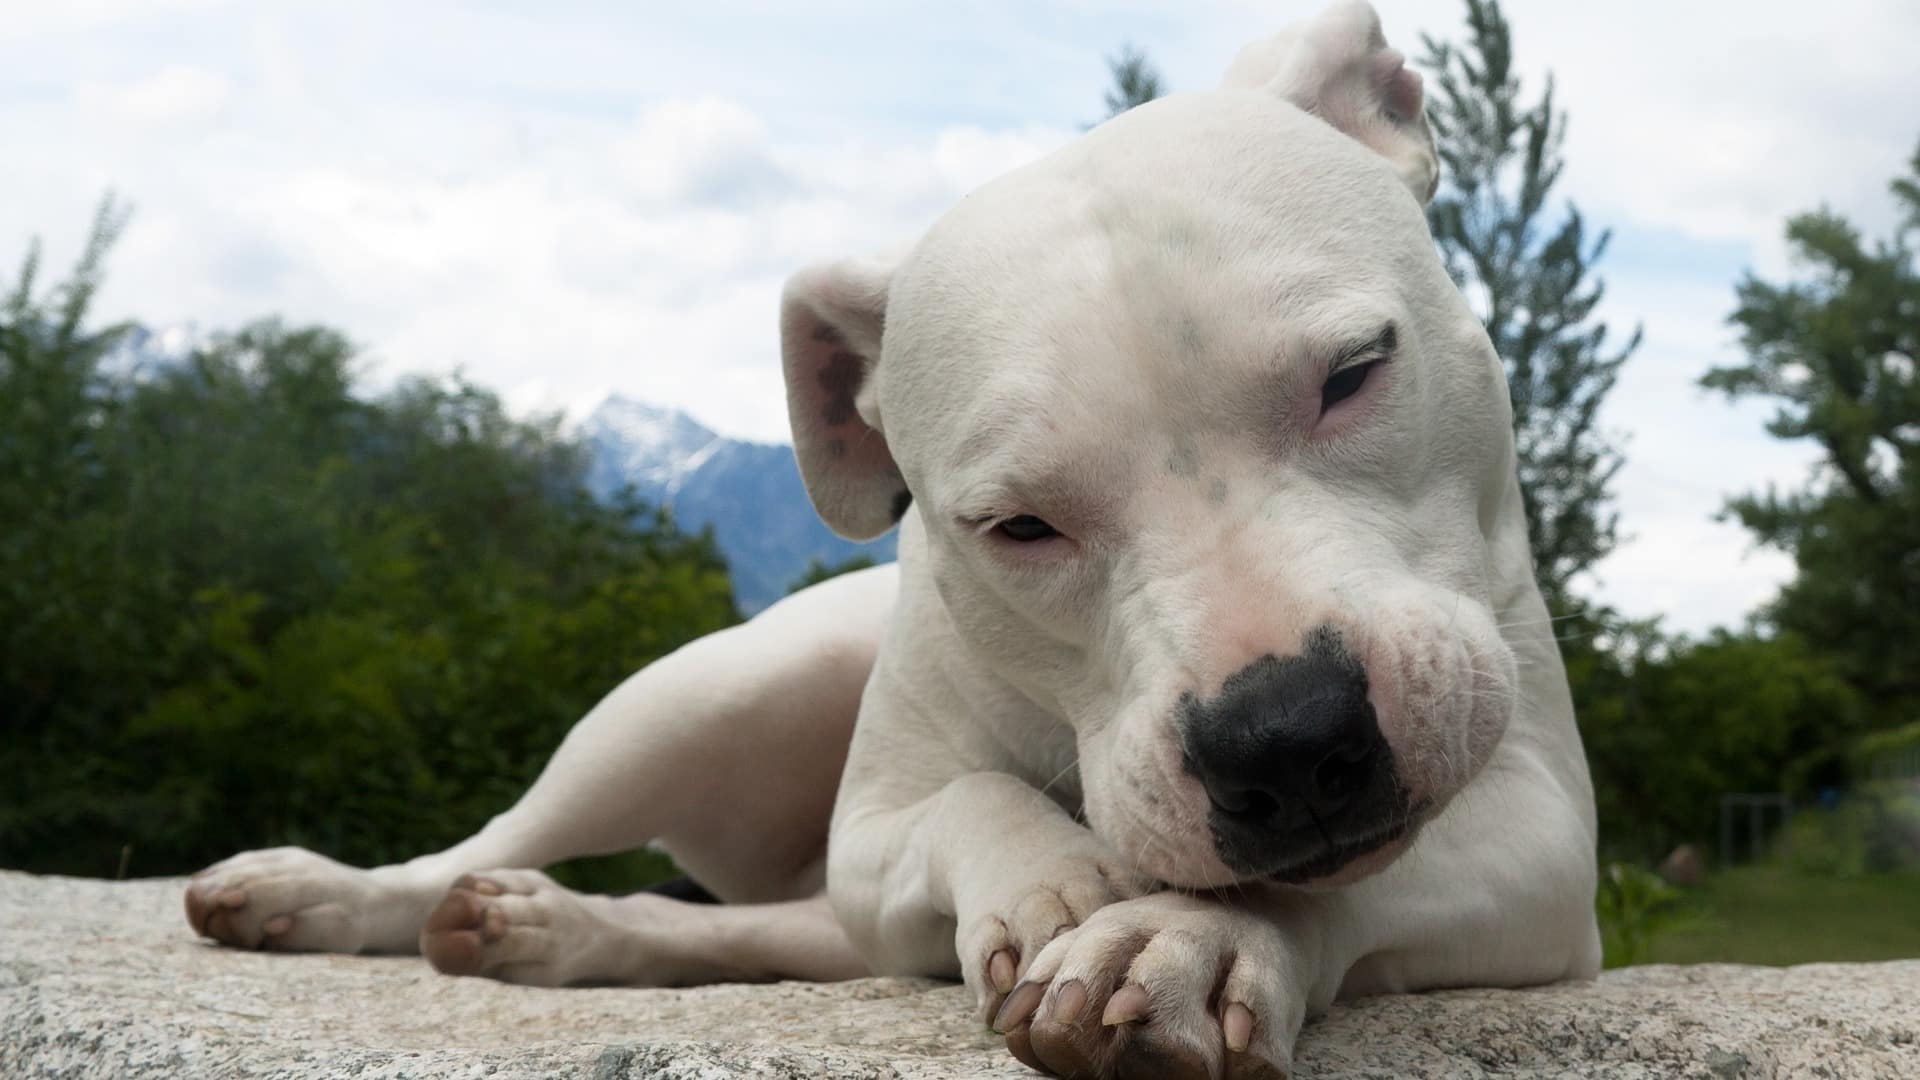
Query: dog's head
{"x": 1213, "y": 461}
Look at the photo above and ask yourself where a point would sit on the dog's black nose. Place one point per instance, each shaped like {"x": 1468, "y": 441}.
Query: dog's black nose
{"x": 1292, "y": 759}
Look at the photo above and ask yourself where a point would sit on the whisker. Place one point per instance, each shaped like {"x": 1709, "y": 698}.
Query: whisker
{"x": 1581, "y": 614}
{"x": 1061, "y": 775}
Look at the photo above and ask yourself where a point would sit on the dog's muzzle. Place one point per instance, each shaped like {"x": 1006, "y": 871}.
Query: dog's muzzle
{"x": 1300, "y": 778}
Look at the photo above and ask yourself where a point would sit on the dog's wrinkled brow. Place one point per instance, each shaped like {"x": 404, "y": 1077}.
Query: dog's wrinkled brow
{"x": 1380, "y": 346}
{"x": 1060, "y": 497}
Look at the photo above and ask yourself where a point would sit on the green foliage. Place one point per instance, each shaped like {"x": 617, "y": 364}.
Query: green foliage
{"x": 242, "y": 604}
{"x": 619, "y": 873}
{"x": 1670, "y": 724}
{"x": 1878, "y": 750}
{"x": 1634, "y": 907}
{"x": 818, "y": 571}
{"x": 1876, "y": 829}
{"x": 1835, "y": 351}
{"x": 1531, "y": 281}
{"x": 1135, "y": 81}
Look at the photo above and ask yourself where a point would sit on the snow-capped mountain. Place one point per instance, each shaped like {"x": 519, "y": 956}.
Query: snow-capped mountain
{"x": 749, "y": 492}
{"x": 652, "y": 448}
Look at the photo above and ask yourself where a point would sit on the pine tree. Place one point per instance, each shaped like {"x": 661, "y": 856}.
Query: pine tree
{"x": 1531, "y": 280}
{"x": 1836, "y": 351}
{"x": 1135, "y": 81}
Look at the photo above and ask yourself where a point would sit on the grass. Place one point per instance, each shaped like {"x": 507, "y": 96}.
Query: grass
{"x": 1771, "y": 915}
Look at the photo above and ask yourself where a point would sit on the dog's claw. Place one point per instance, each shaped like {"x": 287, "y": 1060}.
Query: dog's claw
{"x": 1000, "y": 969}
{"x": 1236, "y": 1025}
{"x": 1070, "y": 1002}
{"x": 1019, "y": 1006}
{"x": 1127, "y": 1006}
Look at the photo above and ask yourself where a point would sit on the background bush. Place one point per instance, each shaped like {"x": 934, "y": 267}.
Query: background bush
{"x": 245, "y": 602}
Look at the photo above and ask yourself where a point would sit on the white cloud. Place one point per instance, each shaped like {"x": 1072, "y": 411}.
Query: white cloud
{"x": 35, "y": 20}
{"x": 173, "y": 95}
{"x": 643, "y": 256}
{"x": 703, "y": 153}
{"x": 1687, "y": 450}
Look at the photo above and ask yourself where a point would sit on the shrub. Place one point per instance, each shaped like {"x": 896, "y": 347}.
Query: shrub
{"x": 1874, "y": 830}
{"x": 244, "y": 604}
{"x": 1634, "y": 907}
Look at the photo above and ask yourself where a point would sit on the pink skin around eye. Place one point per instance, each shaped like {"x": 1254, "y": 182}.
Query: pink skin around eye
{"x": 1354, "y": 407}
{"x": 999, "y": 537}
{"x": 1009, "y": 548}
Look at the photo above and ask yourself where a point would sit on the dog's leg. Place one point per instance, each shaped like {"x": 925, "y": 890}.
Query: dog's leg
{"x": 520, "y": 926}
{"x": 937, "y": 870}
{"x": 727, "y": 753}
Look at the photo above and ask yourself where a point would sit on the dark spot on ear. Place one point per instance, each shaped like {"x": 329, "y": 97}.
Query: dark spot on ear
{"x": 836, "y": 448}
{"x": 840, "y": 377}
{"x": 827, "y": 335}
{"x": 900, "y": 504}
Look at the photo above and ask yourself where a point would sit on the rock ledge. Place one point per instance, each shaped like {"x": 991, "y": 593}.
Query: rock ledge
{"x": 104, "y": 979}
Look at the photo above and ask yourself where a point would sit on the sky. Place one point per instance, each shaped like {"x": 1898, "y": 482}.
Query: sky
{"x": 571, "y": 199}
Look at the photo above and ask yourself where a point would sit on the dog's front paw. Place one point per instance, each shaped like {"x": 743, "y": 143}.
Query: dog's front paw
{"x": 1004, "y": 924}
{"x": 1167, "y": 986}
{"x": 521, "y": 926}
{"x": 292, "y": 899}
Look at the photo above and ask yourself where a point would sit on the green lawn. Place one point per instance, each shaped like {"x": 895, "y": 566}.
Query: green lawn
{"x": 1767, "y": 915}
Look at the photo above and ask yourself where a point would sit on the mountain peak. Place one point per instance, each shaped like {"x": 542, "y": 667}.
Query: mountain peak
{"x": 749, "y": 493}
{"x": 651, "y": 446}
{"x": 652, "y": 426}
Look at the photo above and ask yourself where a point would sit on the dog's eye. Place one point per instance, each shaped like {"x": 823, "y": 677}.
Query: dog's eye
{"x": 1345, "y": 383}
{"x": 1025, "y": 529}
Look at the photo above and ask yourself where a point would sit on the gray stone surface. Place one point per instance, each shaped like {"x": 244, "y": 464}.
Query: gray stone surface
{"x": 104, "y": 979}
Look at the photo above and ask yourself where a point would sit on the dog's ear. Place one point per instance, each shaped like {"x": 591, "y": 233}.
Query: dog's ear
{"x": 1339, "y": 67}
{"x": 831, "y": 319}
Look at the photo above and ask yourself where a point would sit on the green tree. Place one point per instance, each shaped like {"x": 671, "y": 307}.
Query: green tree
{"x": 1834, "y": 350}
{"x": 243, "y": 604}
{"x": 1670, "y": 724}
{"x": 1135, "y": 80}
{"x": 1531, "y": 280}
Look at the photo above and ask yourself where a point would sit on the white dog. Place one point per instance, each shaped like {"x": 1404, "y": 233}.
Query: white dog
{"x": 1213, "y": 681}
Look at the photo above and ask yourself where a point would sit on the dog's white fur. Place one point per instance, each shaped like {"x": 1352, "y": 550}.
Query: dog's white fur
{"x": 1127, "y": 339}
